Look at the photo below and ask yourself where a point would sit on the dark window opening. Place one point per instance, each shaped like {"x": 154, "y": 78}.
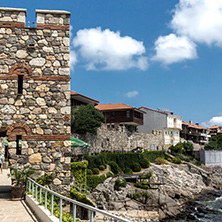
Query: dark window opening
{"x": 20, "y": 84}
{"x": 127, "y": 114}
{"x": 19, "y": 145}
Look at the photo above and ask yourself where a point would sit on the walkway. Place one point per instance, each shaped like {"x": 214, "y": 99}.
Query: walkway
{"x": 12, "y": 211}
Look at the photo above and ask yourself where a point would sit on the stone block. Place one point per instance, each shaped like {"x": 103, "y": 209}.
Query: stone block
{"x": 35, "y": 158}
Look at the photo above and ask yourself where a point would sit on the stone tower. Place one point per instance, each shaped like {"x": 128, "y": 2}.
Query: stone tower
{"x": 35, "y": 91}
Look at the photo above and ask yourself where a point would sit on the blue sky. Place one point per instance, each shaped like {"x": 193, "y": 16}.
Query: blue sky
{"x": 152, "y": 53}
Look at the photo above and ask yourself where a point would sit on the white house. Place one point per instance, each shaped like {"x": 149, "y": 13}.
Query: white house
{"x": 162, "y": 120}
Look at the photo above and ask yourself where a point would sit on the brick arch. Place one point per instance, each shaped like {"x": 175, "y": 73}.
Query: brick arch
{"x": 18, "y": 129}
{"x": 20, "y": 69}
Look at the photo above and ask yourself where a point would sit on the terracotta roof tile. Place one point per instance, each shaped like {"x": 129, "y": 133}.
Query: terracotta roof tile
{"x": 213, "y": 127}
{"x": 169, "y": 114}
{"x": 116, "y": 106}
{"x": 72, "y": 93}
{"x": 193, "y": 125}
{"x": 110, "y": 106}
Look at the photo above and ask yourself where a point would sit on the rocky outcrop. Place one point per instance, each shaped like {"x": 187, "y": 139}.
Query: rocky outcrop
{"x": 174, "y": 186}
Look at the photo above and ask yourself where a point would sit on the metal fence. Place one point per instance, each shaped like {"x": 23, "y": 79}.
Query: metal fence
{"x": 34, "y": 188}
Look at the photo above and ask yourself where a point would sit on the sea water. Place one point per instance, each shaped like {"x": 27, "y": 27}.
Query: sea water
{"x": 212, "y": 212}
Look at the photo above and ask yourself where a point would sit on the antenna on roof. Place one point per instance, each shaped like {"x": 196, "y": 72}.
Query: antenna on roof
{"x": 165, "y": 110}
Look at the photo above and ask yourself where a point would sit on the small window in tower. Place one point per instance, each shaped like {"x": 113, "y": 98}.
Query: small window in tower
{"x": 19, "y": 145}
{"x": 20, "y": 84}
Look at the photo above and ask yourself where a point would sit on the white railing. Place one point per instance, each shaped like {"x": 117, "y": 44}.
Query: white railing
{"x": 34, "y": 187}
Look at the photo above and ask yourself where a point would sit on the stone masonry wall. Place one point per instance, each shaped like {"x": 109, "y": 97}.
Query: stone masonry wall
{"x": 119, "y": 141}
{"x": 41, "y": 113}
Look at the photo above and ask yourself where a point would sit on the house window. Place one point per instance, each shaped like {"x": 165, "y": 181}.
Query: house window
{"x": 112, "y": 115}
{"x": 20, "y": 84}
{"x": 18, "y": 144}
{"x": 127, "y": 114}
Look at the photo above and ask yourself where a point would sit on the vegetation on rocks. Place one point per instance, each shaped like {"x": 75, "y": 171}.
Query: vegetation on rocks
{"x": 146, "y": 176}
{"x": 177, "y": 160}
{"x": 143, "y": 185}
{"x": 119, "y": 183}
{"x": 93, "y": 181}
{"x": 139, "y": 195}
{"x": 80, "y": 197}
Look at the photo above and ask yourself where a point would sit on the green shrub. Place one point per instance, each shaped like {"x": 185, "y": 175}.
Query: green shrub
{"x": 79, "y": 170}
{"x": 152, "y": 155}
{"x": 159, "y": 161}
{"x": 96, "y": 171}
{"x": 143, "y": 184}
{"x": 144, "y": 163}
{"x": 119, "y": 183}
{"x": 169, "y": 159}
{"x": 197, "y": 163}
{"x": 102, "y": 167}
{"x": 139, "y": 195}
{"x": 124, "y": 160}
{"x": 80, "y": 197}
{"x": 146, "y": 176}
{"x": 93, "y": 181}
{"x": 96, "y": 161}
{"x": 136, "y": 167}
{"x": 177, "y": 160}
{"x": 188, "y": 147}
{"x": 178, "y": 148}
{"x": 114, "y": 167}
{"x": 45, "y": 179}
{"x": 128, "y": 171}
{"x": 89, "y": 172}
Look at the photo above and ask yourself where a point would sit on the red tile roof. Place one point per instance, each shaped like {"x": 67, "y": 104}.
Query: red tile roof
{"x": 72, "y": 93}
{"x": 213, "y": 127}
{"x": 117, "y": 106}
{"x": 193, "y": 125}
{"x": 159, "y": 111}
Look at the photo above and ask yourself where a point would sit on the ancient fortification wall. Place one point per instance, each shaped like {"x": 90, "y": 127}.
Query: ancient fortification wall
{"x": 35, "y": 90}
{"x": 119, "y": 140}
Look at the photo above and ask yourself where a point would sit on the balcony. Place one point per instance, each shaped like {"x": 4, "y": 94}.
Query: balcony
{"x": 203, "y": 141}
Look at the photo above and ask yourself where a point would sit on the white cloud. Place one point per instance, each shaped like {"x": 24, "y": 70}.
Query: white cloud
{"x": 172, "y": 48}
{"x": 132, "y": 94}
{"x": 216, "y": 120}
{"x": 73, "y": 59}
{"x": 107, "y": 50}
{"x": 200, "y": 20}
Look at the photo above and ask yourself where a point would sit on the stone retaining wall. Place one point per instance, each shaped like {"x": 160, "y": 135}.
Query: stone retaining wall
{"x": 119, "y": 140}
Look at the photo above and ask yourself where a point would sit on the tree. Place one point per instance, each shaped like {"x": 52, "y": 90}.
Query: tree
{"x": 86, "y": 119}
{"x": 188, "y": 147}
{"x": 215, "y": 143}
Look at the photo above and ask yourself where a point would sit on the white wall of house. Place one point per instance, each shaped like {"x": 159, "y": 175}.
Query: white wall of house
{"x": 169, "y": 124}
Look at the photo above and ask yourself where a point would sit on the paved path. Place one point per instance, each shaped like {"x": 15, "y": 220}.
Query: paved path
{"x": 12, "y": 211}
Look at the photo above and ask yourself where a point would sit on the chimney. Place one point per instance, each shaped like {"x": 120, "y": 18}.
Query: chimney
{"x": 197, "y": 124}
{"x": 190, "y": 122}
